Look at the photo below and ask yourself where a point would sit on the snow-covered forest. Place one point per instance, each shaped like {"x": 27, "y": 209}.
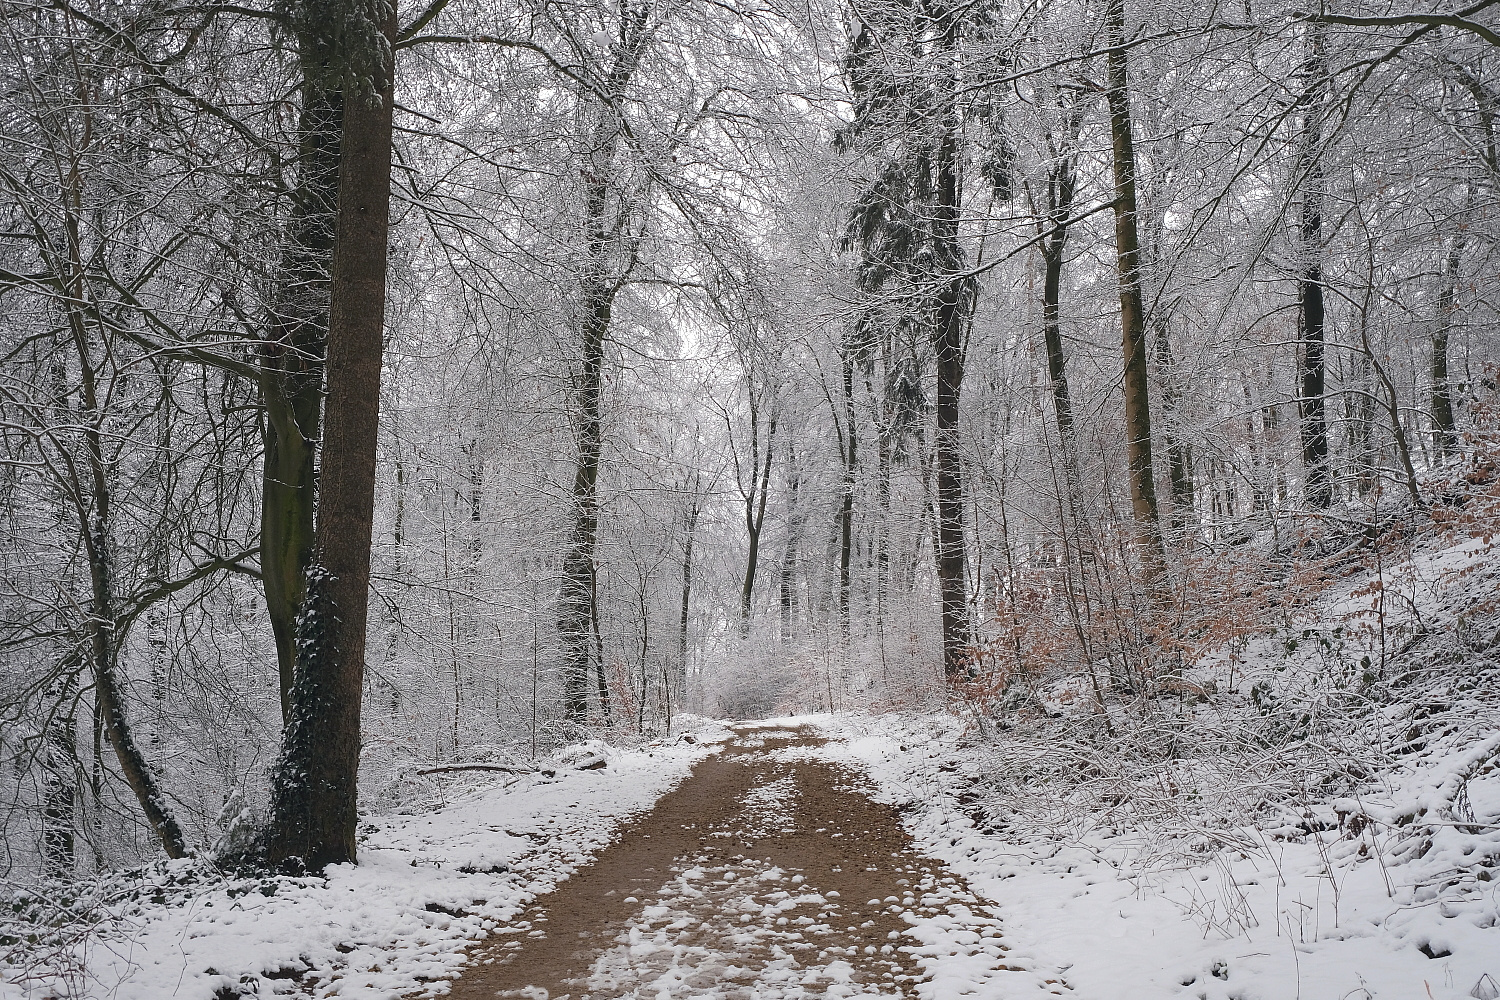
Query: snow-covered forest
{"x": 1089, "y": 410}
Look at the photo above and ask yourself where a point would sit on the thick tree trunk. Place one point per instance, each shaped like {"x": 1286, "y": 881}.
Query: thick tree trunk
{"x": 103, "y": 628}
{"x": 884, "y": 446}
{"x": 314, "y": 787}
{"x": 1362, "y": 425}
{"x": 1057, "y": 369}
{"x": 292, "y": 359}
{"x": 1260, "y": 482}
{"x": 575, "y": 602}
{"x": 93, "y": 507}
{"x": 117, "y": 728}
{"x": 1143, "y": 501}
{"x": 949, "y": 493}
{"x": 1318, "y": 479}
{"x": 642, "y": 594}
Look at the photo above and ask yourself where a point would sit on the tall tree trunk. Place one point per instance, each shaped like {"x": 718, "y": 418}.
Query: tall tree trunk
{"x": 1179, "y": 455}
{"x": 1362, "y": 425}
{"x": 689, "y": 528}
{"x": 1261, "y": 487}
{"x": 292, "y": 359}
{"x": 1318, "y": 483}
{"x": 1061, "y": 187}
{"x": 1444, "y": 439}
{"x": 1270, "y": 419}
{"x": 788, "y": 590}
{"x": 643, "y": 601}
{"x": 1062, "y": 190}
{"x": 575, "y": 601}
{"x": 598, "y": 285}
{"x": 103, "y": 629}
{"x": 111, "y": 703}
{"x": 755, "y": 505}
{"x": 95, "y": 517}
{"x": 601, "y": 683}
{"x": 885, "y": 437}
{"x": 1390, "y": 398}
{"x": 314, "y": 789}
{"x": 60, "y": 771}
{"x": 1143, "y": 502}
{"x": 850, "y": 449}
{"x": 949, "y": 330}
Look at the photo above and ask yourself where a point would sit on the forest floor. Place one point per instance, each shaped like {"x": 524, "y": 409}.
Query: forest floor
{"x": 726, "y": 863}
{"x": 1315, "y": 814}
{"x": 827, "y": 856}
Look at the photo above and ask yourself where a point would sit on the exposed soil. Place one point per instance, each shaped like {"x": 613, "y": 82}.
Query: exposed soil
{"x": 759, "y": 876}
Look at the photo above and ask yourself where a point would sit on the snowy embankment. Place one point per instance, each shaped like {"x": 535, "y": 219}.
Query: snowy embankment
{"x": 396, "y": 925}
{"x": 1301, "y": 830}
{"x": 1265, "y": 914}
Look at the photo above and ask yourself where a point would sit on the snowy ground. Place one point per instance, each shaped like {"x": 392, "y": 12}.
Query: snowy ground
{"x": 1320, "y": 819}
{"x": 1369, "y": 896}
{"x": 1323, "y": 823}
{"x": 1326, "y": 914}
{"x": 393, "y": 926}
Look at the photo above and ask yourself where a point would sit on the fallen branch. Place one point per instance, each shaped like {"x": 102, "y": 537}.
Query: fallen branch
{"x": 449, "y": 768}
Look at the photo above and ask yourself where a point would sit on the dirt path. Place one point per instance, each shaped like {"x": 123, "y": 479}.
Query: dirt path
{"x": 757, "y": 877}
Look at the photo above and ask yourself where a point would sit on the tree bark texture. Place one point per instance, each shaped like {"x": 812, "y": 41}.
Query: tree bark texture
{"x": 689, "y": 529}
{"x": 949, "y": 335}
{"x": 1180, "y": 489}
{"x": 885, "y": 439}
{"x": 1318, "y": 481}
{"x": 755, "y": 506}
{"x": 314, "y": 787}
{"x": 599, "y": 282}
{"x": 292, "y": 359}
{"x": 1143, "y": 501}
{"x": 850, "y": 450}
{"x": 1444, "y": 437}
{"x": 1061, "y": 186}
{"x": 60, "y": 771}
{"x": 575, "y": 601}
{"x": 601, "y": 683}
{"x": 788, "y": 591}
{"x": 103, "y": 629}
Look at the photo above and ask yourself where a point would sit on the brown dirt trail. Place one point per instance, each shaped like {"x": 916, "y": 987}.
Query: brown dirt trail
{"x": 762, "y": 875}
